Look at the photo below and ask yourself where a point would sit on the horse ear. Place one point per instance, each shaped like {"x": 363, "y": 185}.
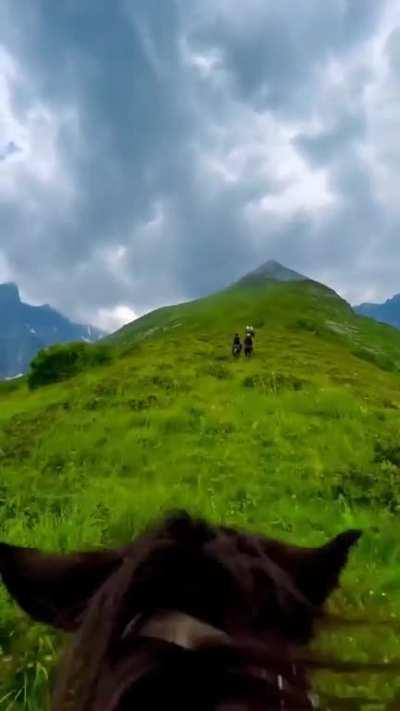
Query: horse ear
{"x": 318, "y": 571}
{"x": 55, "y": 589}
{"x": 315, "y": 571}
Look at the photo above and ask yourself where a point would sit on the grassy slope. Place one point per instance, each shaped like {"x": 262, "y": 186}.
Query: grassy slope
{"x": 300, "y": 443}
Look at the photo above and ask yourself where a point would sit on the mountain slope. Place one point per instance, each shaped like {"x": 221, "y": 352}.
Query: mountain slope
{"x": 271, "y": 298}
{"x": 300, "y": 442}
{"x": 264, "y": 295}
{"x": 25, "y": 329}
{"x": 388, "y": 312}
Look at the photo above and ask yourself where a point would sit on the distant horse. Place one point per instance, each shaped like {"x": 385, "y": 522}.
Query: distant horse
{"x": 248, "y": 345}
{"x": 236, "y": 346}
{"x": 188, "y": 617}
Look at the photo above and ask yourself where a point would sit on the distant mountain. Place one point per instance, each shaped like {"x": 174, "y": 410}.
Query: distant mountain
{"x": 273, "y": 271}
{"x": 25, "y": 329}
{"x": 388, "y": 312}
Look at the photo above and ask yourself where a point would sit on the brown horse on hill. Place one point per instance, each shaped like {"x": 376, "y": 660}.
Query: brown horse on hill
{"x": 188, "y": 617}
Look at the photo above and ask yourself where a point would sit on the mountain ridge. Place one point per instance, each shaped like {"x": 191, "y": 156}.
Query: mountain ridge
{"x": 25, "y": 329}
{"x": 385, "y": 312}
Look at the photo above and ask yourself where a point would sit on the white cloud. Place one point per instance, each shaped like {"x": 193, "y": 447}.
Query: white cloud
{"x": 383, "y": 111}
{"x": 37, "y": 162}
{"x": 113, "y": 318}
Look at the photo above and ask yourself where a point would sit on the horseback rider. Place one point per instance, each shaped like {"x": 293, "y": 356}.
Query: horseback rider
{"x": 248, "y": 341}
{"x": 237, "y": 345}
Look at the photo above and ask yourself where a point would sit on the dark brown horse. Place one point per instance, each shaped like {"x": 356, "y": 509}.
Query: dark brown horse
{"x": 188, "y": 617}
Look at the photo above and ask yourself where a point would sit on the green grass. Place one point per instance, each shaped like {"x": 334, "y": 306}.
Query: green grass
{"x": 299, "y": 443}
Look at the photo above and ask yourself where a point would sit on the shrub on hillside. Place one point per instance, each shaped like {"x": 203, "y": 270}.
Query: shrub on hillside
{"x": 8, "y": 386}
{"x": 59, "y": 362}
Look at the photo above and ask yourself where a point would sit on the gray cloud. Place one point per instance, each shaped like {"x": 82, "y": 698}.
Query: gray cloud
{"x": 275, "y": 50}
{"x": 166, "y": 148}
{"x": 9, "y": 150}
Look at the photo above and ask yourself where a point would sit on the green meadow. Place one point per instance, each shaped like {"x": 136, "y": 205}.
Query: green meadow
{"x": 299, "y": 443}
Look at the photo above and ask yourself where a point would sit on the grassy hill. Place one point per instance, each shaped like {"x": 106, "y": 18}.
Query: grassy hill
{"x": 296, "y": 306}
{"x": 300, "y": 443}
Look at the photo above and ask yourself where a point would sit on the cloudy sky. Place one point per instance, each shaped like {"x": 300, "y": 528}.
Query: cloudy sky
{"x": 155, "y": 150}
